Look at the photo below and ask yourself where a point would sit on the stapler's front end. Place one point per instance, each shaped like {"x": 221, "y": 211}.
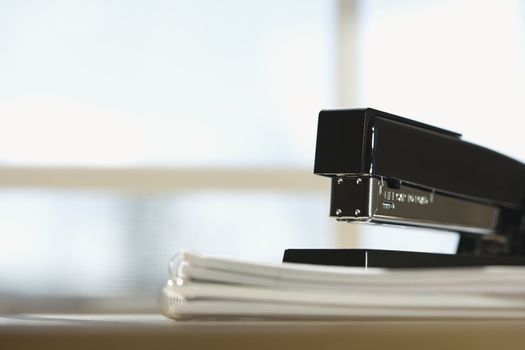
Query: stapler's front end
{"x": 387, "y": 169}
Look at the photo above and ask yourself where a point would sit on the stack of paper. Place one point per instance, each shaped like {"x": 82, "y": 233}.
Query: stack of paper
{"x": 205, "y": 287}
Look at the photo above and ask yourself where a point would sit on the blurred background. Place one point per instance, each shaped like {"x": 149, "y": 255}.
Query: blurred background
{"x": 133, "y": 129}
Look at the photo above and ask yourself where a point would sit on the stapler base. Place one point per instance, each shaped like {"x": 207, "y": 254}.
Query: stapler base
{"x": 392, "y": 258}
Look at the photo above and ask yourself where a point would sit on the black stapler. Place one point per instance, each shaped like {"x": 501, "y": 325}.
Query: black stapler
{"x": 388, "y": 169}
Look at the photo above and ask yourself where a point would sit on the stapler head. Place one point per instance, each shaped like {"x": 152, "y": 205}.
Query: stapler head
{"x": 386, "y": 169}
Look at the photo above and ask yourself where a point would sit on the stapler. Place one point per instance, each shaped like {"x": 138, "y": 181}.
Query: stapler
{"x": 386, "y": 169}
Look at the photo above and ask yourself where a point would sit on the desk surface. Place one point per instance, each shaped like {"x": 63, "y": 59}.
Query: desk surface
{"x": 157, "y": 332}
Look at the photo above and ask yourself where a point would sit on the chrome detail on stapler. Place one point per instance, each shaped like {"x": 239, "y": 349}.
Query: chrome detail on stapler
{"x": 409, "y": 206}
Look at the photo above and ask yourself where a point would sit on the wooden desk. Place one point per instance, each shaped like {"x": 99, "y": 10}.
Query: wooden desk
{"x": 156, "y": 332}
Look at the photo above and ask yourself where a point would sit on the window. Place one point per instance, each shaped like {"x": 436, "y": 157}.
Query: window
{"x": 192, "y": 101}
{"x": 165, "y": 83}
